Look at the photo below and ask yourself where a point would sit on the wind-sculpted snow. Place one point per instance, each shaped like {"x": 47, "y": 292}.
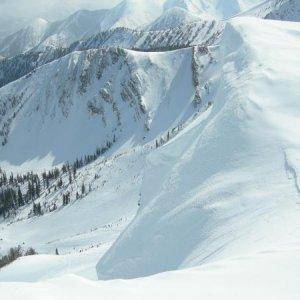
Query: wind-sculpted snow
{"x": 224, "y": 186}
{"x": 203, "y": 32}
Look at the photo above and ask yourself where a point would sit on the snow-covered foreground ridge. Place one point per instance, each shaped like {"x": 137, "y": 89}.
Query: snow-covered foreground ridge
{"x": 228, "y": 183}
{"x": 269, "y": 275}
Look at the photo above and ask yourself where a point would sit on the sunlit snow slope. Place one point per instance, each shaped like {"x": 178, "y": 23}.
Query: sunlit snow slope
{"x": 259, "y": 276}
{"x": 228, "y": 184}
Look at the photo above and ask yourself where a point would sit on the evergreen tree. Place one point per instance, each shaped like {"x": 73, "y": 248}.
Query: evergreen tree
{"x": 20, "y": 198}
{"x": 37, "y": 209}
{"x": 83, "y": 189}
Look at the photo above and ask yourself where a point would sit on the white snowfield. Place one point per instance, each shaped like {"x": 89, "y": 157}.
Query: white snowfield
{"x": 266, "y": 275}
{"x": 219, "y": 213}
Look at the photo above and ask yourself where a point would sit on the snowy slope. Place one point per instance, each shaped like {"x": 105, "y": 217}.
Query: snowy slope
{"x": 228, "y": 184}
{"x": 80, "y": 25}
{"x": 82, "y": 231}
{"x": 131, "y": 14}
{"x": 18, "y": 14}
{"x": 201, "y": 32}
{"x": 25, "y": 39}
{"x": 220, "y": 9}
{"x": 173, "y": 17}
{"x": 285, "y": 10}
{"x": 107, "y": 94}
{"x": 56, "y": 34}
{"x": 259, "y": 276}
{"x": 203, "y": 168}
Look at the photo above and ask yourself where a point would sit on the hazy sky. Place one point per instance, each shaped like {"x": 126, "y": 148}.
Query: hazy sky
{"x": 16, "y": 13}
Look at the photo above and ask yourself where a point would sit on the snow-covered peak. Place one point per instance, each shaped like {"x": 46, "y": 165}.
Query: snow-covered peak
{"x": 24, "y": 39}
{"x": 172, "y": 18}
{"x": 133, "y": 14}
{"x": 221, "y": 9}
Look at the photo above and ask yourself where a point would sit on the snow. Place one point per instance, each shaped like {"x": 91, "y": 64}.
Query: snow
{"x": 80, "y": 25}
{"x": 285, "y": 10}
{"x": 211, "y": 212}
{"x": 265, "y": 275}
{"x": 93, "y": 222}
{"x": 173, "y": 17}
{"x": 25, "y": 39}
{"x": 131, "y": 14}
{"x": 61, "y": 126}
{"x": 223, "y": 187}
{"x": 220, "y": 9}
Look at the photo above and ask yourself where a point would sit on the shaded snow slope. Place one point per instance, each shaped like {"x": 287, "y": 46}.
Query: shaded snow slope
{"x": 259, "y": 276}
{"x": 285, "y": 10}
{"x": 228, "y": 184}
{"x": 71, "y": 106}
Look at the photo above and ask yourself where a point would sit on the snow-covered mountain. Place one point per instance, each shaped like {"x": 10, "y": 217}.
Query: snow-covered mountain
{"x": 82, "y": 24}
{"x": 131, "y": 14}
{"x": 220, "y": 9}
{"x": 203, "y": 32}
{"x": 44, "y": 34}
{"x": 25, "y": 39}
{"x": 174, "y": 17}
{"x": 285, "y": 10}
{"x": 170, "y": 147}
{"x": 227, "y": 185}
{"x": 18, "y": 14}
{"x": 102, "y": 95}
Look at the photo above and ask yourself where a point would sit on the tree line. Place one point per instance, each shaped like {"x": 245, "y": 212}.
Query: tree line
{"x": 15, "y": 253}
{"x": 20, "y": 190}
